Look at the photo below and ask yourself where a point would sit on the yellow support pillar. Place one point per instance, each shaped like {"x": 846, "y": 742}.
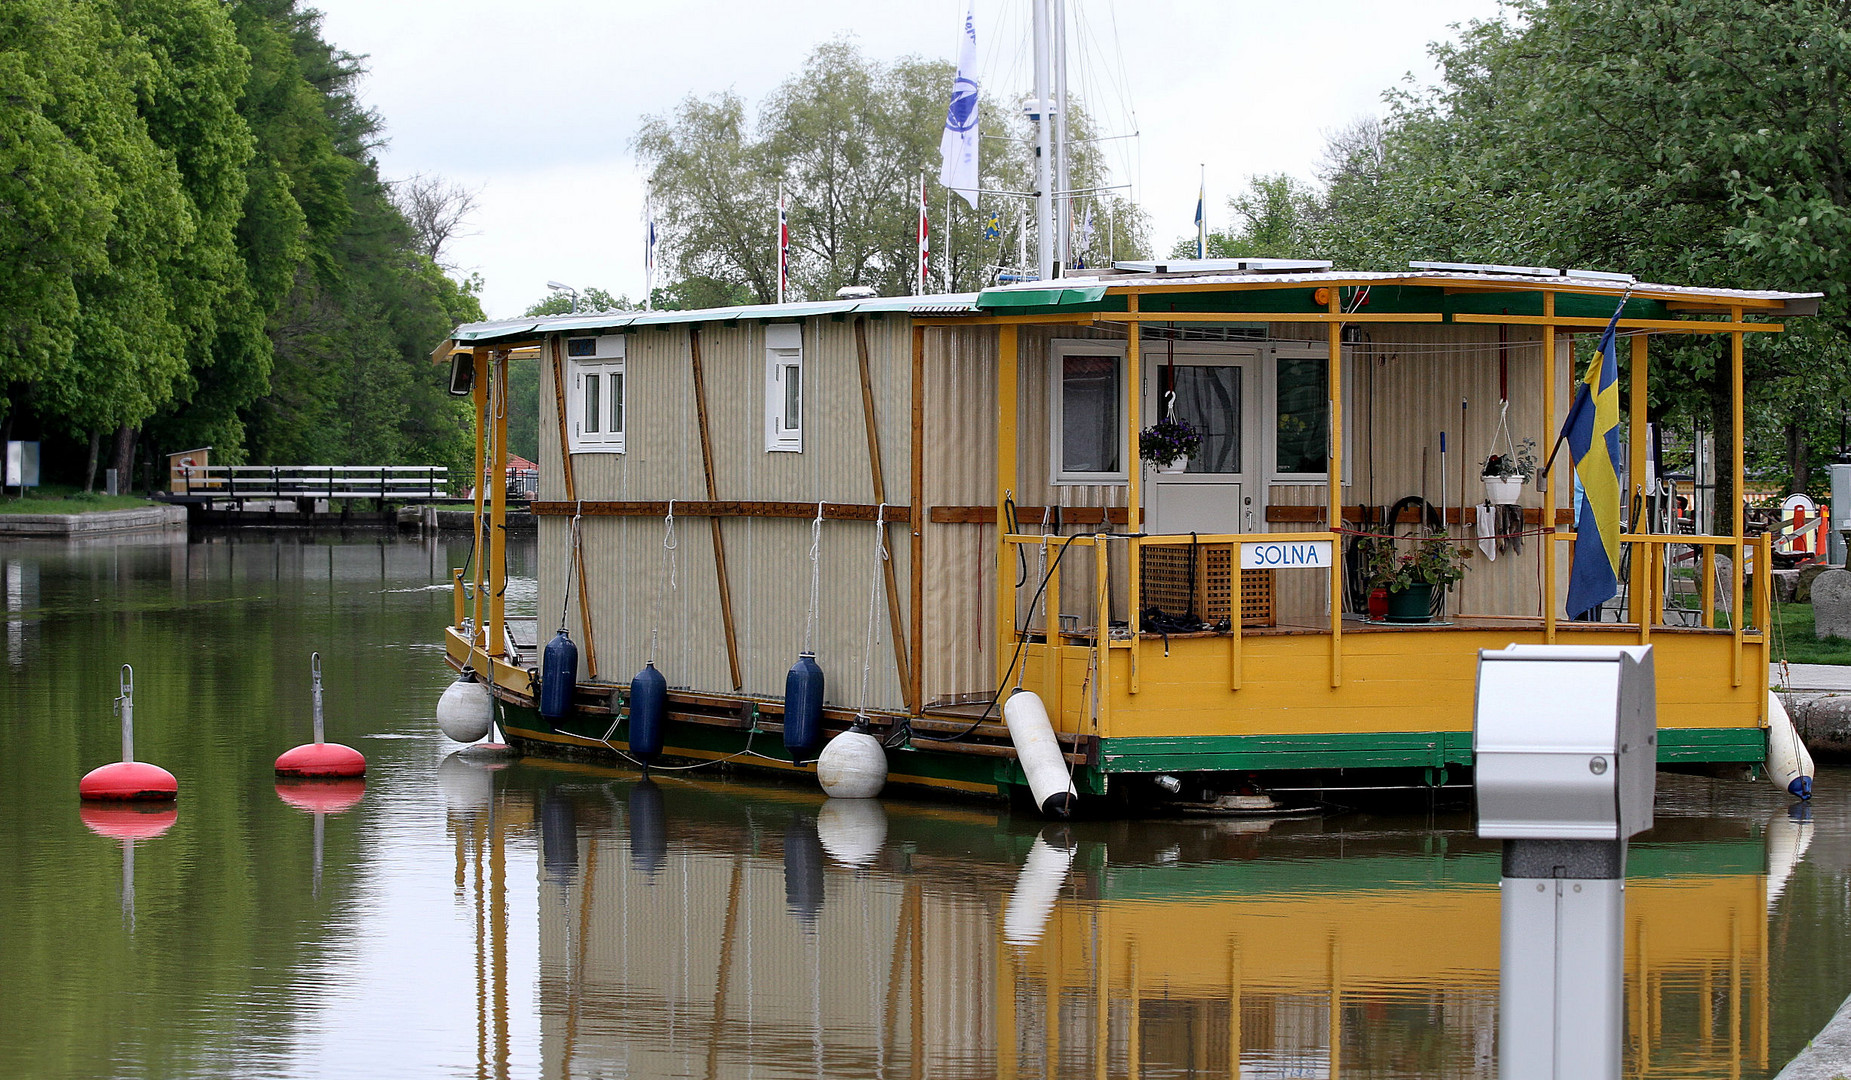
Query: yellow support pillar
{"x": 1335, "y": 491}
{"x": 498, "y": 506}
{"x": 478, "y": 636}
{"x": 1134, "y": 490}
{"x": 1635, "y": 486}
{"x": 1550, "y": 429}
{"x": 1007, "y": 387}
{"x": 1735, "y": 512}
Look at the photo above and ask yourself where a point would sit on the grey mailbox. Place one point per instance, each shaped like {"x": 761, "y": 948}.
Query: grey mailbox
{"x": 1565, "y": 742}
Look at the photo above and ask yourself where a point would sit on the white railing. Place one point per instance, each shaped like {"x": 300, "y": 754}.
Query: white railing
{"x": 389, "y": 482}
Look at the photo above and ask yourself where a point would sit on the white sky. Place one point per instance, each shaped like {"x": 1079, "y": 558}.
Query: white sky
{"x": 535, "y": 103}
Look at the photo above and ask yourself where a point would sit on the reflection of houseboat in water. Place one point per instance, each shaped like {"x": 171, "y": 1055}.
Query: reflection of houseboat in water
{"x": 692, "y": 461}
{"x": 725, "y": 929}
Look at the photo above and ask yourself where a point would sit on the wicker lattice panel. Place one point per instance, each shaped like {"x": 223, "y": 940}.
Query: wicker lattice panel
{"x": 1166, "y": 583}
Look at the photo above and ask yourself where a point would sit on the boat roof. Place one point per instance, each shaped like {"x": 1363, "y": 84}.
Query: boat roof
{"x": 1220, "y": 286}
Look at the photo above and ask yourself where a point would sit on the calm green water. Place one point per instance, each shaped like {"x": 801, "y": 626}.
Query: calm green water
{"x": 558, "y": 920}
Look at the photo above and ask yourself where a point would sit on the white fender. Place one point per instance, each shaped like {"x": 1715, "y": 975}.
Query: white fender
{"x": 1788, "y": 837}
{"x": 1039, "y": 753}
{"x": 1037, "y": 887}
{"x": 852, "y": 766}
{"x": 1789, "y": 765}
{"x": 465, "y": 711}
{"x": 852, "y": 830}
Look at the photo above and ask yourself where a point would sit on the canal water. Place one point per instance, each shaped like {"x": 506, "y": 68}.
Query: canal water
{"x": 549, "y": 919}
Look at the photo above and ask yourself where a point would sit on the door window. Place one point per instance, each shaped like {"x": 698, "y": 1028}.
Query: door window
{"x": 1208, "y": 398}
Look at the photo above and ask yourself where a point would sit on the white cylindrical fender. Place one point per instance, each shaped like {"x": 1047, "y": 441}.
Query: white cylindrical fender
{"x": 465, "y": 711}
{"x": 852, "y": 830}
{"x": 1037, "y": 887}
{"x": 852, "y": 766}
{"x": 1789, "y": 765}
{"x": 1789, "y": 834}
{"x": 1039, "y": 753}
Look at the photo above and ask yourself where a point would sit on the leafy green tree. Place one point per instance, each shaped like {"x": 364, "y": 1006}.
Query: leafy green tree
{"x": 850, "y": 139}
{"x": 1274, "y": 218}
{"x": 1679, "y": 140}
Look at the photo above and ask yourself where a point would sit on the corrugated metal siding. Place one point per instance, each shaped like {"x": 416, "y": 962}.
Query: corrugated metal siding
{"x": 768, "y": 558}
{"x": 1411, "y": 378}
{"x": 960, "y": 464}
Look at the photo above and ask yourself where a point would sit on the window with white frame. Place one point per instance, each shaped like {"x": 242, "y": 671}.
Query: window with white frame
{"x": 594, "y": 399}
{"x": 784, "y": 388}
{"x": 1300, "y": 407}
{"x": 1087, "y": 413}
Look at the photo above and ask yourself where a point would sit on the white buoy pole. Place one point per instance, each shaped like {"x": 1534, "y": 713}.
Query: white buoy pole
{"x": 315, "y": 669}
{"x": 125, "y": 704}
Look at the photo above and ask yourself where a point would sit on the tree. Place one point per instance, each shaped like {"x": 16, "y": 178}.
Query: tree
{"x": 1274, "y": 218}
{"x": 436, "y": 209}
{"x": 1679, "y": 140}
{"x": 850, "y": 140}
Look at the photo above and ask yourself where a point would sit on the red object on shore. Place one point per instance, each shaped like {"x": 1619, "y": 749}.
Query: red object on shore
{"x": 321, "y": 796}
{"x": 128, "y": 822}
{"x": 129, "y": 781}
{"x": 321, "y": 759}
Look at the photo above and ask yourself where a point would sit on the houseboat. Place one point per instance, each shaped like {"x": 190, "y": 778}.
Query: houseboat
{"x": 942, "y": 499}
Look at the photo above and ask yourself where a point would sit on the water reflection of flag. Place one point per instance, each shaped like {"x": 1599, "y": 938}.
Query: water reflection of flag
{"x": 1592, "y": 431}
{"x": 957, "y": 147}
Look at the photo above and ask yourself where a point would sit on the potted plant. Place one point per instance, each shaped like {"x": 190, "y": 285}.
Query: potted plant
{"x": 1169, "y": 444}
{"x": 1409, "y": 580}
{"x": 1505, "y": 474}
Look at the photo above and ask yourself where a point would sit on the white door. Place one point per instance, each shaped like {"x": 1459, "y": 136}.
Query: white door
{"x": 1218, "y": 393}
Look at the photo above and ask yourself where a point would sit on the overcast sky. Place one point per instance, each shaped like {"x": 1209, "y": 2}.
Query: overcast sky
{"x": 534, "y": 104}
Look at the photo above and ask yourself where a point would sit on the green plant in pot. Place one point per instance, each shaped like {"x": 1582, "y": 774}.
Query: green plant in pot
{"x": 1505, "y": 474}
{"x": 1410, "y": 578}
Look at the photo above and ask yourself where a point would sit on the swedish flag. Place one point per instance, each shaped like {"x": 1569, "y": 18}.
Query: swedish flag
{"x": 1593, "y": 433}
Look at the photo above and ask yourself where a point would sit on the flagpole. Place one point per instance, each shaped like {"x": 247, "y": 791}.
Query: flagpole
{"x": 649, "y": 248}
{"x": 783, "y": 242}
{"x": 1201, "y": 216}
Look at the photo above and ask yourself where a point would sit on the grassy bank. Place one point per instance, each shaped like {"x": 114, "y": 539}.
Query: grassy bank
{"x": 1795, "y": 631}
{"x": 58, "y": 499}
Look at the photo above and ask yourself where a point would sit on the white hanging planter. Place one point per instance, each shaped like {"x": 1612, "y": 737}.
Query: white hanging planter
{"x": 1503, "y": 490}
{"x": 1181, "y": 464}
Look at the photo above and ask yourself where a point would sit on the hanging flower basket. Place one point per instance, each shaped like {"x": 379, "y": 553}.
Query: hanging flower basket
{"x": 1503, "y": 490}
{"x": 1167, "y": 445}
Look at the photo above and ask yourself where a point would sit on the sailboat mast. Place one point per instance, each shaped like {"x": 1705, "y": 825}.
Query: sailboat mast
{"x": 1063, "y": 211}
{"x": 1044, "y": 180}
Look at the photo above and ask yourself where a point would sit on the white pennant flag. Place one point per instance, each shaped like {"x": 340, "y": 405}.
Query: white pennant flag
{"x": 957, "y": 147}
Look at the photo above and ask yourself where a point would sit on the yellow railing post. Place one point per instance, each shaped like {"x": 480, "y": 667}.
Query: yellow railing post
{"x": 1102, "y": 634}
{"x": 1050, "y": 632}
{"x": 1007, "y": 387}
{"x": 1236, "y": 617}
{"x": 479, "y": 388}
{"x": 1643, "y": 564}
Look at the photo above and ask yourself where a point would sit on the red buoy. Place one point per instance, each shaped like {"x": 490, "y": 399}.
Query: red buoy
{"x": 129, "y": 822}
{"x": 128, "y": 779}
{"x": 320, "y": 759}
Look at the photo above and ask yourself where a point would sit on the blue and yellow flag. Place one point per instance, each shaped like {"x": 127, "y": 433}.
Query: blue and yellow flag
{"x": 1593, "y": 433}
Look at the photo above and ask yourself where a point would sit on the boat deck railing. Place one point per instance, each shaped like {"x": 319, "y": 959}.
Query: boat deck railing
{"x": 1670, "y": 583}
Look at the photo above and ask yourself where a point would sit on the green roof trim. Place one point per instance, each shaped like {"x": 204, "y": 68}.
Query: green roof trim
{"x": 1055, "y": 297}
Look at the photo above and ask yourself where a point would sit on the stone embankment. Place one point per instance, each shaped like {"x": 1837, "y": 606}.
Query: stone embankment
{"x": 154, "y": 518}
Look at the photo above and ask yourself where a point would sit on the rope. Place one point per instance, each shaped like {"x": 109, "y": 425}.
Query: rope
{"x": 565, "y": 601}
{"x": 874, "y": 596}
{"x": 670, "y": 563}
{"x": 816, "y": 580}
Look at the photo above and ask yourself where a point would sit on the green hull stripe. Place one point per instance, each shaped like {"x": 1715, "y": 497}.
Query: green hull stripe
{"x": 1380, "y": 750}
